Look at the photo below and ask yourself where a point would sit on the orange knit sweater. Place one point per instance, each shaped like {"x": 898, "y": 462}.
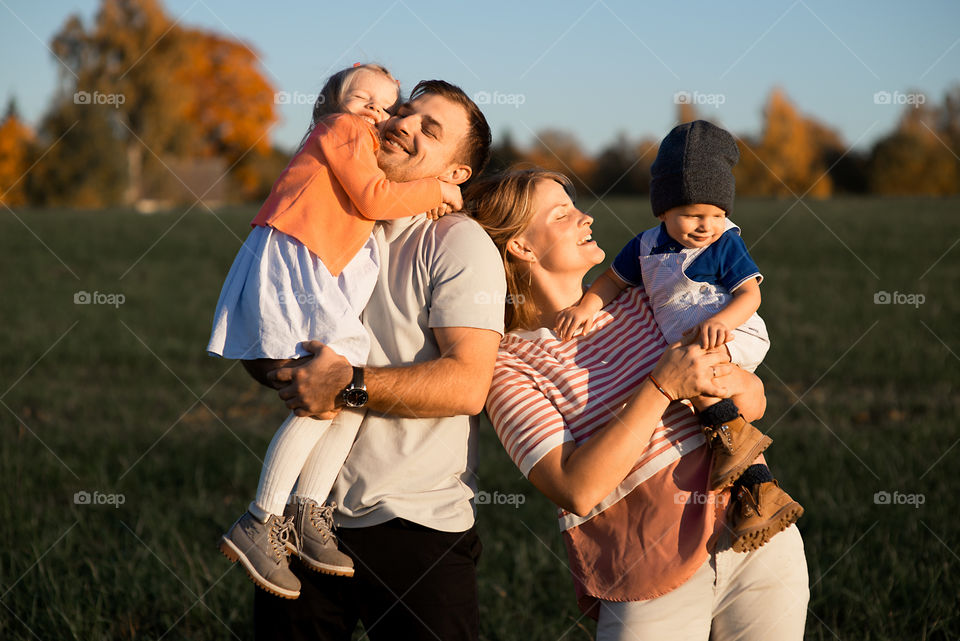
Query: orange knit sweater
{"x": 332, "y": 191}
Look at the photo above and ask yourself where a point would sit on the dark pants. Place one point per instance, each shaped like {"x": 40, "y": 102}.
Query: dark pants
{"x": 411, "y": 582}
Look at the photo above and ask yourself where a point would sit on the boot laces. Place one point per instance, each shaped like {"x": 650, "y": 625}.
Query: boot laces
{"x": 280, "y": 531}
{"x": 322, "y": 518}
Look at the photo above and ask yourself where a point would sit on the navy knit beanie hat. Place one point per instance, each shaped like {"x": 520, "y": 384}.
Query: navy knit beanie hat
{"x": 694, "y": 165}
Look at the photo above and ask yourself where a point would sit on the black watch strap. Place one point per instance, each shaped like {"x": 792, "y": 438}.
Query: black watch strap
{"x": 355, "y": 394}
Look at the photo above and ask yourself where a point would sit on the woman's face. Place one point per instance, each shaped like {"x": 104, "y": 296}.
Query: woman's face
{"x": 559, "y": 234}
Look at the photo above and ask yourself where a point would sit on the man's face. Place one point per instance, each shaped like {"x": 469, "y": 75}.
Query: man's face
{"x": 423, "y": 140}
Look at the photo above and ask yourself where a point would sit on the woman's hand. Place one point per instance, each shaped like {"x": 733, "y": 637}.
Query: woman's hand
{"x": 685, "y": 371}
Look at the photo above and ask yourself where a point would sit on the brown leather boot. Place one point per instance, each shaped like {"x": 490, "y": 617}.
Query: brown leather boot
{"x": 758, "y": 512}
{"x": 736, "y": 444}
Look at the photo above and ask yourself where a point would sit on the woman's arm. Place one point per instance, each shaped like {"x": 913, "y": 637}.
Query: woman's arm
{"x": 577, "y": 477}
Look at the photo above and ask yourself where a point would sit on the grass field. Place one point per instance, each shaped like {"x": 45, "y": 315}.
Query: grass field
{"x": 120, "y": 400}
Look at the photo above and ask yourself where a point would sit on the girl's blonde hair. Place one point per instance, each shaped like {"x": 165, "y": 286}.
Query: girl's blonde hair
{"x": 330, "y": 99}
{"x": 503, "y": 204}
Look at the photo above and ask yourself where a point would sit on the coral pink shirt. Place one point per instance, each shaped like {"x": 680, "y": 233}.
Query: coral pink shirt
{"x": 656, "y": 529}
{"x": 332, "y": 191}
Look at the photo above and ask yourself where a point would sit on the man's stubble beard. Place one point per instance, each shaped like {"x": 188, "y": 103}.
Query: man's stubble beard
{"x": 396, "y": 172}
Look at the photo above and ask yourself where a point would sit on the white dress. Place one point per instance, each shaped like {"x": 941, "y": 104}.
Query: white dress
{"x": 278, "y": 294}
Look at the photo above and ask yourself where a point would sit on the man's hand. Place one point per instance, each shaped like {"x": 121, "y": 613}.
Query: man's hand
{"x": 313, "y": 388}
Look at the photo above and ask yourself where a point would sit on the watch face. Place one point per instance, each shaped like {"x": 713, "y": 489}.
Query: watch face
{"x": 355, "y": 397}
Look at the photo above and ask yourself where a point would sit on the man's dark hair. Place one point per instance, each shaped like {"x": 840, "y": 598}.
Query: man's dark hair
{"x": 475, "y": 148}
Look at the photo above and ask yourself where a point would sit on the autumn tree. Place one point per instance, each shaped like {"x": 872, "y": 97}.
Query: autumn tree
{"x": 165, "y": 89}
{"x": 623, "y": 167}
{"x": 84, "y": 164}
{"x": 15, "y": 150}
{"x": 920, "y": 155}
{"x": 791, "y": 152}
{"x": 559, "y": 151}
{"x": 503, "y": 154}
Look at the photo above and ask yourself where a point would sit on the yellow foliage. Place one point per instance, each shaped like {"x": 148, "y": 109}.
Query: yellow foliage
{"x": 15, "y": 140}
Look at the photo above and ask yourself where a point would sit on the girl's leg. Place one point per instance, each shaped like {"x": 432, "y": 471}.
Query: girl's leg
{"x": 763, "y": 594}
{"x": 288, "y": 451}
{"x": 680, "y": 615}
{"x": 326, "y": 458}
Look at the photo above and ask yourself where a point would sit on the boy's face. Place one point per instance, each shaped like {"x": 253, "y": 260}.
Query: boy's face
{"x": 694, "y": 226}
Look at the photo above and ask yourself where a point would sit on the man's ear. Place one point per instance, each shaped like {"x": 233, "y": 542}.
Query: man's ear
{"x": 456, "y": 174}
{"x": 519, "y": 249}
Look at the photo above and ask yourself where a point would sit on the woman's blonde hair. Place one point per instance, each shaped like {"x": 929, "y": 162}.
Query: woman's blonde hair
{"x": 503, "y": 204}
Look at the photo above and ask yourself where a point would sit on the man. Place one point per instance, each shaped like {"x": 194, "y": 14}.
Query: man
{"x": 404, "y": 494}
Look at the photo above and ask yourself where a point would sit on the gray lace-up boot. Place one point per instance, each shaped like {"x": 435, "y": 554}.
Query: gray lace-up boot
{"x": 316, "y": 543}
{"x": 262, "y": 550}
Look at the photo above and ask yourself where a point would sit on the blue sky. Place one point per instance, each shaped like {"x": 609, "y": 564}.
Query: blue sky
{"x": 593, "y": 68}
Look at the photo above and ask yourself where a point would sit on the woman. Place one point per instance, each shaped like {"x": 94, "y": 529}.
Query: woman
{"x": 590, "y": 422}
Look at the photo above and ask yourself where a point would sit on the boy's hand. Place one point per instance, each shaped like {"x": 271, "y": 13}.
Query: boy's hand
{"x": 713, "y": 333}
{"x": 574, "y": 320}
{"x": 450, "y": 194}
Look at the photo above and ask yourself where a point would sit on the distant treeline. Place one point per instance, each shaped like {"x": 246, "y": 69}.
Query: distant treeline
{"x": 793, "y": 155}
{"x": 150, "y": 113}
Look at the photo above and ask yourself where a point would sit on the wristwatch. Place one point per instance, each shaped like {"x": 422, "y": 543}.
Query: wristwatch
{"x": 355, "y": 393}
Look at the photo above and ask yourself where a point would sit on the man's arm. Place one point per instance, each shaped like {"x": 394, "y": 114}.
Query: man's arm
{"x": 454, "y": 384}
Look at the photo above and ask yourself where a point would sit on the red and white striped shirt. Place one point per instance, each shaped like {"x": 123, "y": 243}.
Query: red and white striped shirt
{"x": 658, "y": 526}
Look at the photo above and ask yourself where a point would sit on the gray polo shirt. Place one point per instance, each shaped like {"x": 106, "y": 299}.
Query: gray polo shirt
{"x": 446, "y": 273}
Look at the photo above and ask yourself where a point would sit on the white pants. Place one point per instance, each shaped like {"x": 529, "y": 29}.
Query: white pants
{"x": 309, "y": 449}
{"x": 755, "y": 596}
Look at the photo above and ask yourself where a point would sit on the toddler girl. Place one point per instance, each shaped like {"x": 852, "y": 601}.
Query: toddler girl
{"x": 305, "y": 272}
